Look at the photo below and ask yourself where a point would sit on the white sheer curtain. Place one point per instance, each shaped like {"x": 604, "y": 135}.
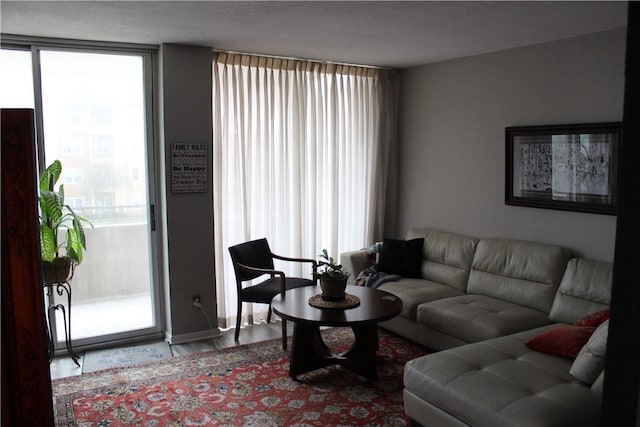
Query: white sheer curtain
{"x": 303, "y": 154}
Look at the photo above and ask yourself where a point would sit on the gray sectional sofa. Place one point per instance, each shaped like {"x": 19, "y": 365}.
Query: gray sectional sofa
{"x": 477, "y": 302}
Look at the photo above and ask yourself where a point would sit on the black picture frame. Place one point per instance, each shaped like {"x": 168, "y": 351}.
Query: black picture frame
{"x": 570, "y": 167}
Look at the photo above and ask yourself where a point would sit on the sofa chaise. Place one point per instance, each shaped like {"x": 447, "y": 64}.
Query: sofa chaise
{"x": 481, "y": 304}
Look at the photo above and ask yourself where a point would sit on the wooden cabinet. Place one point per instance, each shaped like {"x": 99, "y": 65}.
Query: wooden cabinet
{"x": 26, "y": 381}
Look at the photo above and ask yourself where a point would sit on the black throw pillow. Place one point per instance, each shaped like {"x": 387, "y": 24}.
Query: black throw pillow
{"x": 402, "y": 257}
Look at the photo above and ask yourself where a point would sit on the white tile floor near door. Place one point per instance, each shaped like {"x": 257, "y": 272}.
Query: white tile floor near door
{"x": 92, "y": 319}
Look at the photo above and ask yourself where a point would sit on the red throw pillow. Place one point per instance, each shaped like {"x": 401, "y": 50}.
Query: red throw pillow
{"x": 565, "y": 341}
{"x": 594, "y": 319}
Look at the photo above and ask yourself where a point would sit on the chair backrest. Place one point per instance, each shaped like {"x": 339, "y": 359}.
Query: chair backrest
{"x": 255, "y": 253}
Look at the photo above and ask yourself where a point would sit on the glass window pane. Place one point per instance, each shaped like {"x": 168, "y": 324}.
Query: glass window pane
{"x": 94, "y": 123}
{"x": 16, "y": 79}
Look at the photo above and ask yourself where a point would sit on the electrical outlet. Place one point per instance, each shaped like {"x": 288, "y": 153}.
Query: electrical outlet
{"x": 196, "y": 302}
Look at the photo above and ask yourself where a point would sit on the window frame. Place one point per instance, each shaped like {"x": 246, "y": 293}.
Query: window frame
{"x": 149, "y": 55}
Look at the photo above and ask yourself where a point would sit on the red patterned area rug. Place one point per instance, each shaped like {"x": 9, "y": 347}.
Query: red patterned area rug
{"x": 247, "y": 385}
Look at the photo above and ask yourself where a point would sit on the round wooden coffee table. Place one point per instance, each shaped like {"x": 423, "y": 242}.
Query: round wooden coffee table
{"x": 309, "y": 352}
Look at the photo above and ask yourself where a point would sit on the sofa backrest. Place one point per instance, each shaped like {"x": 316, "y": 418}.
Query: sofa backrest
{"x": 446, "y": 257}
{"x": 524, "y": 273}
{"x": 585, "y": 289}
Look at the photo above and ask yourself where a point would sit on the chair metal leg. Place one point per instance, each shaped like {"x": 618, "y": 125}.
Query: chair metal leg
{"x": 238, "y": 318}
{"x": 269, "y": 314}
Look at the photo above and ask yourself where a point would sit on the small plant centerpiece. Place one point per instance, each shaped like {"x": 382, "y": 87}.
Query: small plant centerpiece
{"x": 59, "y": 258}
{"x": 333, "y": 278}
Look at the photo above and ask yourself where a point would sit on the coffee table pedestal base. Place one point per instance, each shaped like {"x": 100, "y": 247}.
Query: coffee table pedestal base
{"x": 309, "y": 351}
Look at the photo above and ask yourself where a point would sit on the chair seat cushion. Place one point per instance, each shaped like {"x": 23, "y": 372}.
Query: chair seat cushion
{"x": 264, "y": 291}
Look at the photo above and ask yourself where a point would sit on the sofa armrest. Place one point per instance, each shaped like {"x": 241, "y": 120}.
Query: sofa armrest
{"x": 356, "y": 261}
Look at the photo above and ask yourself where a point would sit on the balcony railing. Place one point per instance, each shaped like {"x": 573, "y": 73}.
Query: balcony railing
{"x": 116, "y": 262}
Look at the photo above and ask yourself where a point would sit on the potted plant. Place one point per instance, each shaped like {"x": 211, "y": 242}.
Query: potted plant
{"x": 333, "y": 278}
{"x": 59, "y": 258}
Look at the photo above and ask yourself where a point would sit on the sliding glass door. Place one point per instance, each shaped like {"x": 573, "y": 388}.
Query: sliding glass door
{"x": 95, "y": 115}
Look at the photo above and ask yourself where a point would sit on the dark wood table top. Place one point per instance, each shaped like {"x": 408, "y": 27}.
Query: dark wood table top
{"x": 375, "y": 306}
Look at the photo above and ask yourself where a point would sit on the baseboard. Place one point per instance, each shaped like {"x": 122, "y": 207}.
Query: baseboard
{"x": 192, "y": 336}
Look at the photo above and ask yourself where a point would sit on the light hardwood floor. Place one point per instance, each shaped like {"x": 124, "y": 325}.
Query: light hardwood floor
{"x": 63, "y": 366}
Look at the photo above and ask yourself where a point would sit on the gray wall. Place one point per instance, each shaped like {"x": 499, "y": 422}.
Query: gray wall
{"x": 186, "y": 116}
{"x": 452, "y": 120}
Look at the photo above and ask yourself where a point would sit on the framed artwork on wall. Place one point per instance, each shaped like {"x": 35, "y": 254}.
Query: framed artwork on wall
{"x": 568, "y": 167}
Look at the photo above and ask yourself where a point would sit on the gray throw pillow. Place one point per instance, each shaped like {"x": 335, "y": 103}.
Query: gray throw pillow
{"x": 590, "y": 361}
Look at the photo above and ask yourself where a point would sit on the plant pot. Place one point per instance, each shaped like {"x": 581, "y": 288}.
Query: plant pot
{"x": 59, "y": 270}
{"x": 333, "y": 289}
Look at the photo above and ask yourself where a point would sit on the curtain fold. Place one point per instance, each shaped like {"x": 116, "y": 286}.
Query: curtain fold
{"x": 304, "y": 155}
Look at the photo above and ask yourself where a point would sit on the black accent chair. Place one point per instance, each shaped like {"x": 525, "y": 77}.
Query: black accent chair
{"x": 254, "y": 259}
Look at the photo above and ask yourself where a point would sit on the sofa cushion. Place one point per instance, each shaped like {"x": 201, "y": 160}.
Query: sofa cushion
{"x": 585, "y": 289}
{"x": 591, "y": 358}
{"x": 501, "y": 382}
{"x": 414, "y": 292}
{"x": 446, "y": 257}
{"x": 473, "y": 318}
{"x": 524, "y": 273}
{"x": 598, "y": 384}
{"x": 402, "y": 257}
{"x": 563, "y": 340}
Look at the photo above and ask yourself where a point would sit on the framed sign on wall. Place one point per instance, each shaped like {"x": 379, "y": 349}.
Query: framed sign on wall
{"x": 568, "y": 167}
{"x": 189, "y": 168}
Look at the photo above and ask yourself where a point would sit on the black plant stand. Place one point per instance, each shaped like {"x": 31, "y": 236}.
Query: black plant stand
{"x": 61, "y": 288}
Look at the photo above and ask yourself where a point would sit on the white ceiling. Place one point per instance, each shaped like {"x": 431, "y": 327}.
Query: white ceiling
{"x": 381, "y": 33}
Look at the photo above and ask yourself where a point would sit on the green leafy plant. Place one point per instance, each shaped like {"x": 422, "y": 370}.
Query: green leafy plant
{"x": 329, "y": 269}
{"x": 55, "y": 217}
